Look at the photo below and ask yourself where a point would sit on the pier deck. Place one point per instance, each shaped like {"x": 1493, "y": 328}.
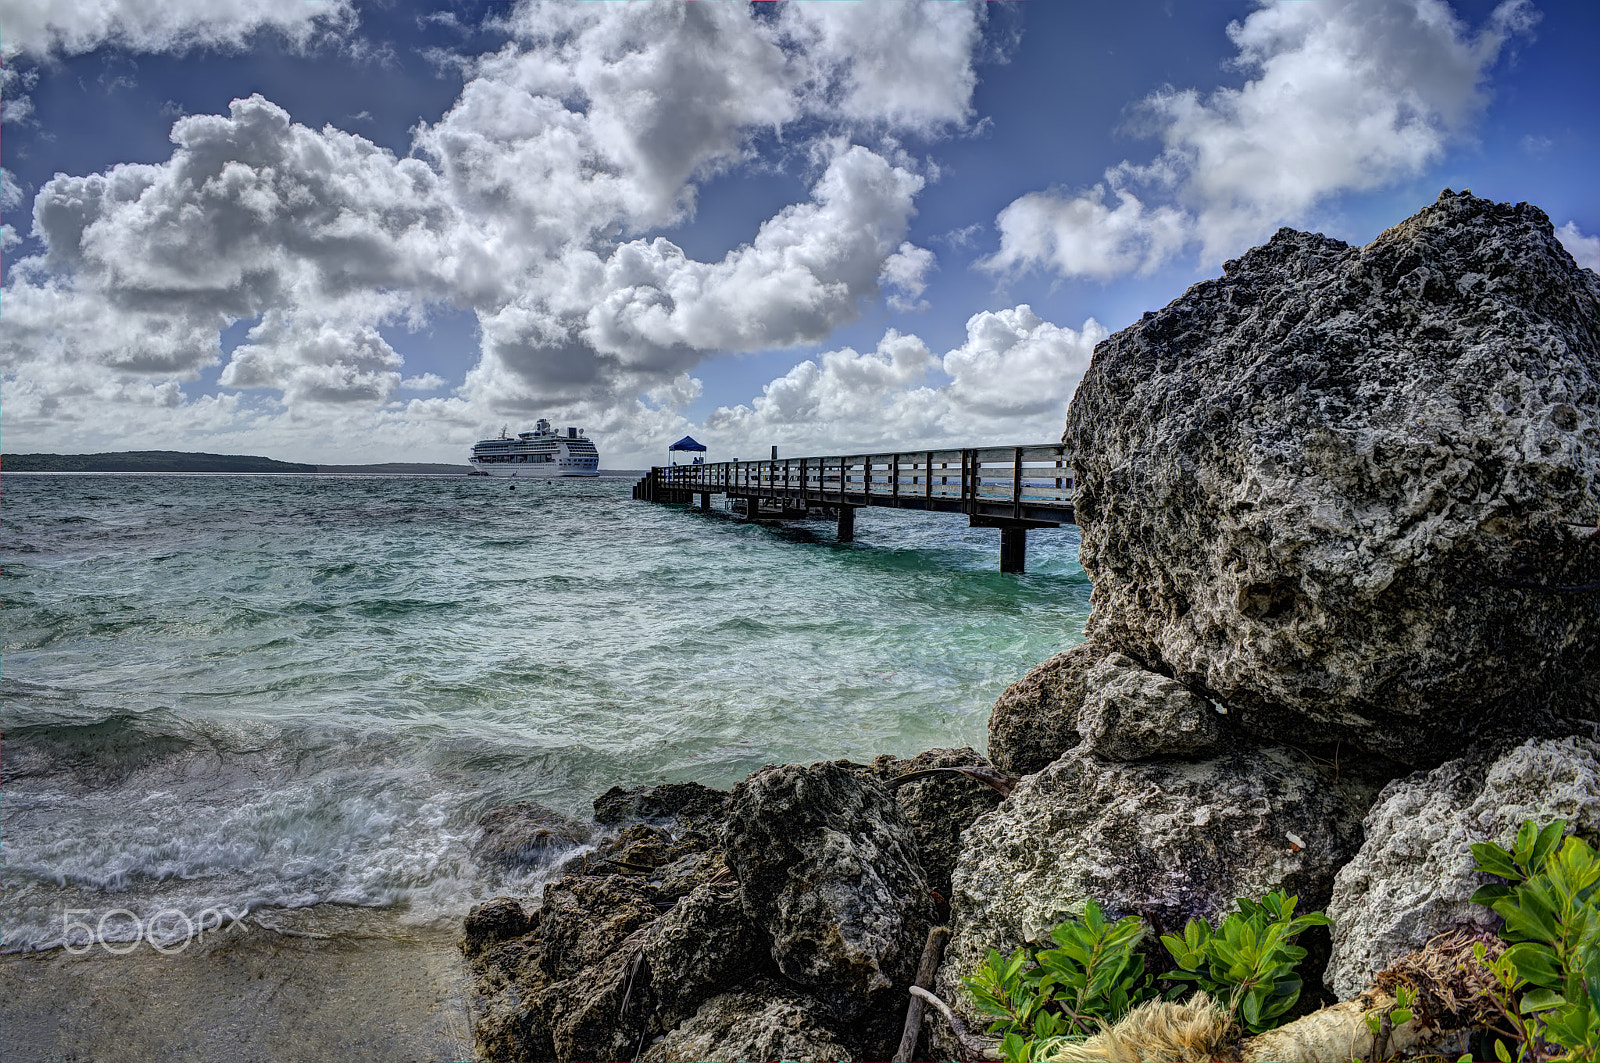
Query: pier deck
{"x": 1009, "y": 488}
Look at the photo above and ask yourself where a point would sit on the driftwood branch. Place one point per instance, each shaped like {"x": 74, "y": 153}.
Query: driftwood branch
{"x": 996, "y": 780}
{"x": 972, "y": 1047}
{"x": 931, "y": 953}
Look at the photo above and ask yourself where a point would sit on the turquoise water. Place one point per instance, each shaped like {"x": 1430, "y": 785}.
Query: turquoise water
{"x": 258, "y": 691}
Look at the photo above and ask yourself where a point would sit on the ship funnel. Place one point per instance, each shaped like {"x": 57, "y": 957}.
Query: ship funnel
{"x": 572, "y": 433}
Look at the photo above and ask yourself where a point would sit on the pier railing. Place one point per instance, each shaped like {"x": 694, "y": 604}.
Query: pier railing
{"x": 1006, "y": 487}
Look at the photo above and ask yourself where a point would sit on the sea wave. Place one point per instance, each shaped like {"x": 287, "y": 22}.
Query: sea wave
{"x": 275, "y": 692}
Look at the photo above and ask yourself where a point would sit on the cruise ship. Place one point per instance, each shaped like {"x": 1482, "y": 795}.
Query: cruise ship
{"x": 539, "y": 454}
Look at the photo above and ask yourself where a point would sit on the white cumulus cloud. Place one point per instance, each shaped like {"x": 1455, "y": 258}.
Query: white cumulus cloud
{"x": 1010, "y": 382}
{"x": 424, "y": 382}
{"x": 10, "y": 191}
{"x": 905, "y": 273}
{"x": 41, "y": 28}
{"x": 1585, "y": 250}
{"x": 1341, "y": 96}
{"x": 535, "y": 203}
{"x": 907, "y": 65}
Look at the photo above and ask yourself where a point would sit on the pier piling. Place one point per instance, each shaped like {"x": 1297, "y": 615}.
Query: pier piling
{"x": 1013, "y": 549}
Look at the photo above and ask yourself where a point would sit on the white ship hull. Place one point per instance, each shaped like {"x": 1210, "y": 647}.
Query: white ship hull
{"x": 531, "y": 472}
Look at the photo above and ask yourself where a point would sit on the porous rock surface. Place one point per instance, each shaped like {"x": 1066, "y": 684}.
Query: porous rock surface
{"x": 828, "y": 870}
{"x": 765, "y": 1021}
{"x": 1129, "y": 713}
{"x": 703, "y": 946}
{"x": 1167, "y": 840}
{"x": 1036, "y": 719}
{"x": 690, "y": 801}
{"x": 1347, "y": 490}
{"x": 939, "y": 805}
{"x": 525, "y": 833}
{"x": 569, "y": 979}
{"x": 1413, "y": 877}
{"x": 556, "y": 991}
{"x": 784, "y": 920}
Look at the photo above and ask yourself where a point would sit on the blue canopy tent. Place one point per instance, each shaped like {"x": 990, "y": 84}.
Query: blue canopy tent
{"x": 686, "y": 443}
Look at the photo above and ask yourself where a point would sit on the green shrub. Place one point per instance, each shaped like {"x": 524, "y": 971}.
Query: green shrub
{"x": 1039, "y": 995}
{"x": 1093, "y": 975}
{"x": 1550, "y": 902}
{"x": 1250, "y": 960}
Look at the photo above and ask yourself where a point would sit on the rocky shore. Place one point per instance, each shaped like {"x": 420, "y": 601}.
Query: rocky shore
{"x": 1341, "y": 511}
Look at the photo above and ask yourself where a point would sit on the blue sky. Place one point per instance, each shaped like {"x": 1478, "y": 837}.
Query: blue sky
{"x": 343, "y": 232}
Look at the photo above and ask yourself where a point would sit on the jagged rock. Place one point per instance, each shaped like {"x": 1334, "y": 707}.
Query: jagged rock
{"x": 525, "y": 833}
{"x": 585, "y": 929}
{"x": 601, "y": 1012}
{"x": 767, "y": 1020}
{"x": 1036, "y": 719}
{"x": 704, "y": 946}
{"x": 504, "y": 1031}
{"x": 678, "y": 800}
{"x": 827, "y": 869}
{"x": 1129, "y": 713}
{"x": 1338, "y": 488}
{"x": 939, "y": 806}
{"x": 492, "y": 922}
{"x": 556, "y": 990}
{"x": 681, "y": 876}
{"x": 634, "y": 850}
{"x": 1167, "y": 840}
{"x": 1413, "y": 877}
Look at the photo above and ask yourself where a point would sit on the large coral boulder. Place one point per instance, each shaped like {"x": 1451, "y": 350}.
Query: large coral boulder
{"x": 1166, "y": 840}
{"x": 827, "y": 868}
{"x": 1349, "y": 492}
{"x": 1035, "y": 720}
{"x": 1413, "y": 877}
{"x": 1130, "y": 713}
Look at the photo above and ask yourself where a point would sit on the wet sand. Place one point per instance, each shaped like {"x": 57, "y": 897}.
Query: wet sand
{"x": 330, "y": 983}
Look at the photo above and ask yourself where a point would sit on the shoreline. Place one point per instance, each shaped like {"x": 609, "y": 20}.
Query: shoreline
{"x": 328, "y": 983}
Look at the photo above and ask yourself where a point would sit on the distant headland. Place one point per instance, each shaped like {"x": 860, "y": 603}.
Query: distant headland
{"x": 180, "y": 461}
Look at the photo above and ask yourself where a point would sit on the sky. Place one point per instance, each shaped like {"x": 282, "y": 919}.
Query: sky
{"x": 345, "y": 232}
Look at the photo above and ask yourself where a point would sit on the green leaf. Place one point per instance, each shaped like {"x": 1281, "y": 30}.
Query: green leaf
{"x": 1540, "y": 1000}
{"x": 1545, "y": 843}
{"x": 1487, "y": 895}
{"x": 1530, "y": 916}
{"x": 1536, "y": 964}
{"x": 1494, "y": 860}
{"x": 1252, "y": 1009}
{"x": 1522, "y": 848}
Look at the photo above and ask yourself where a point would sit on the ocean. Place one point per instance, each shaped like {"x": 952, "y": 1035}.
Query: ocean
{"x": 244, "y": 695}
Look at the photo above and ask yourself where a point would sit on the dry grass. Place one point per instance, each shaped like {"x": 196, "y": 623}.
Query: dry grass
{"x": 1157, "y": 1031}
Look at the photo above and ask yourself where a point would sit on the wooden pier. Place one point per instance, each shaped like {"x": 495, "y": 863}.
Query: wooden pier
{"x": 1009, "y": 488}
